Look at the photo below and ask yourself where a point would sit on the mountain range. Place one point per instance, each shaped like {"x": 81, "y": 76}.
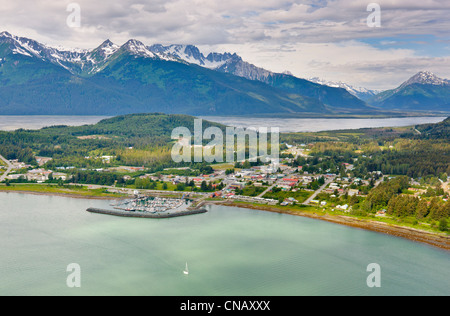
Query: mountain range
{"x": 423, "y": 92}
{"x": 359, "y": 92}
{"x": 135, "y": 78}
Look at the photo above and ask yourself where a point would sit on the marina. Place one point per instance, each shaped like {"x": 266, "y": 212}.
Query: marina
{"x": 151, "y": 207}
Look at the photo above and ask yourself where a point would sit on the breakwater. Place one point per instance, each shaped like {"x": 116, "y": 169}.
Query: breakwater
{"x": 144, "y": 214}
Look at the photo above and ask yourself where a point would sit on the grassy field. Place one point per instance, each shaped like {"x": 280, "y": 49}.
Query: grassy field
{"x": 160, "y": 187}
{"x": 54, "y": 189}
{"x": 223, "y": 166}
{"x": 300, "y": 196}
{"x": 406, "y": 222}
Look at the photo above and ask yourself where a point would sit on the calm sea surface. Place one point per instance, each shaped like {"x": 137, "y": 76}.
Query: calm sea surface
{"x": 230, "y": 251}
{"x": 319, "y": 125}
{"x": 9, "y": 123}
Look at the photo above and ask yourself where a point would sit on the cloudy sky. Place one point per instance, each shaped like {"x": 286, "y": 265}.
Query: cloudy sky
{"x": 329, "y": 39}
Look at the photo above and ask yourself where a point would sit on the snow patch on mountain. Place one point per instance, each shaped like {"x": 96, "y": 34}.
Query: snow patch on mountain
{"x": 426, "y": 78}
{"x": 192, "y": 55}
{"x": 138, "y": 49}
{"x": 359, "y": 92}
{"x": 108, "y": 48}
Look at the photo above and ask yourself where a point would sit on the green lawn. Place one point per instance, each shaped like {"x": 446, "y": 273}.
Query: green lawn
{"x": 253, "y": 191}
{"x": 300, "y": 196}
{"x": 50, "y": 189}
{"x": 223, "y": 166}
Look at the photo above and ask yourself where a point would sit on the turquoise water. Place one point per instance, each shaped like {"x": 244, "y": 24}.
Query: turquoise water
{"x": 287, "y": 125}
{"x": 230, "y": 251}
{"x": 9, "y": 123}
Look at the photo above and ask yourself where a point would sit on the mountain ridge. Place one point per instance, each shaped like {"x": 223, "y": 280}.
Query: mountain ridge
{"x": 422, "y": 92}
{"x": 136, "y": 77}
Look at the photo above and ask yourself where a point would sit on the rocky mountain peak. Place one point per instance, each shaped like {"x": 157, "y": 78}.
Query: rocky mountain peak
{"x": 426, "y": 78}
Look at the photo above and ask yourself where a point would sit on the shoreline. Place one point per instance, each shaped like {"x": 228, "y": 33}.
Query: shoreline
{"x": 420, "y": 236}
{"x": 68, "y": 195}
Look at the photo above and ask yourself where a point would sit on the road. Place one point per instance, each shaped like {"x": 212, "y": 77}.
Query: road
{"x": 268, "y": 190}
{"x": 273, "y": 186}
{"x": 379, "y": 181}
{"x": 446, "y": 187}
{"x": 312, "y": 197}
{"x": 9, "y": 165}
{"x": 131, "y": 191}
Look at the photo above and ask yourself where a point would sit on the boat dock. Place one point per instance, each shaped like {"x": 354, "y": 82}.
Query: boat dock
{"x": 152, "y": 207}
{"x": 145, "y": 214}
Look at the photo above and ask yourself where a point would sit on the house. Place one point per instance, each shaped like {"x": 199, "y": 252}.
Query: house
{"x": 342, "y": 207}
{"x": 107, "y": 159}
{"x": 39, "y": 175}
{"x": 353, "y": 192}
{"x": 15, "y": 176}
{"x": 198, "y": 181}
{"x": 284, "y": 187}
{"x": 237, "y": 186}
{"x": 127, "y": 178}
{"x": 58, "y": 175}
{"x": 334, "y": 186}
{"x": 216, "y": 194}
{"x": 290, "y": 200}
{"x": 42, "y": 160}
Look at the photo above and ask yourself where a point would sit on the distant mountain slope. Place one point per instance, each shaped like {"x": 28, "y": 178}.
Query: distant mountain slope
{"x": 423, "y": 92}
{"x": 132, "y": 125}
{"x": 135, "y": 78}
{"x": 359, "y": 92}
{"x": 173, "y": 87}
{"x": 336, "y": 98}
{"x": 436, "y": 131}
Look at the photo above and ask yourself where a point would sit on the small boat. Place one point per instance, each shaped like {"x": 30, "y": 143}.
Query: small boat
{"x": 186, "y": 271}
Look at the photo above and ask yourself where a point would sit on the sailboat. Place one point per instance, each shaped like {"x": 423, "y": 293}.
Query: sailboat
{"x": 186, "y": 271}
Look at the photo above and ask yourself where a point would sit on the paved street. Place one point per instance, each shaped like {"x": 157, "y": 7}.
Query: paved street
{"x": 9, "y": 166}
{"x": 312, "y": 197}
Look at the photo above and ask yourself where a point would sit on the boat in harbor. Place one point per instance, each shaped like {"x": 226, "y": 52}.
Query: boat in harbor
{"x": 186, "y": 270}
{"x": 151, "y": 207}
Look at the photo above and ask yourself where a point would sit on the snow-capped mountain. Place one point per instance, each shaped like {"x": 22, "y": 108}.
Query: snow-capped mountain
{"x": 423, "y": 92}
{"x": 223, "y": 62}
{"x": 426, "y": 78}
{"x": 31, "y": 48}
{"x": 136, "y": 59}
{"x": 89, "y": 62}
{"x": 105, "y": 50}
{"x": 190, "y": 54}
{"x": 86, "y": 62}
{"x": 359, "y": 92}
{"x": 138, "y": 49}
